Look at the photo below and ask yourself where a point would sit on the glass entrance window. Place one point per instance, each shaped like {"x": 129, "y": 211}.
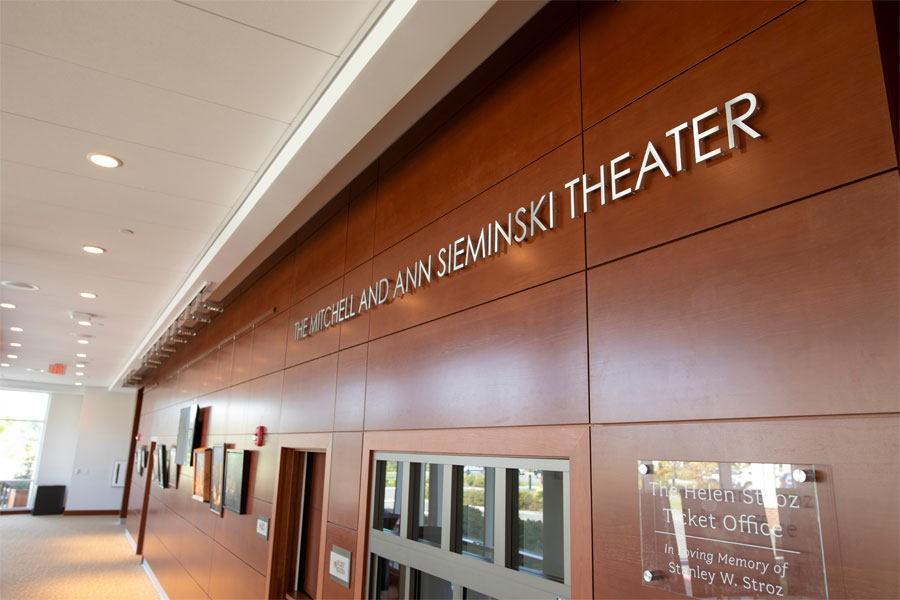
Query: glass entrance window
{"x": 429, "y": 498}
{"x": 477, "y": 512}
{"x": 540, "y": 523}
{"x": 390, "y": 487}
{"x": 22, "y": 419}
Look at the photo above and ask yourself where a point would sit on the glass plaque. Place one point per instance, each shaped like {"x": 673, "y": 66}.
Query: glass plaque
{"x": 731, "y": 530}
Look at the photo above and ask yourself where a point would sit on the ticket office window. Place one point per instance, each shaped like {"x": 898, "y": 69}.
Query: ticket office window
{"x": 469, "y": 527}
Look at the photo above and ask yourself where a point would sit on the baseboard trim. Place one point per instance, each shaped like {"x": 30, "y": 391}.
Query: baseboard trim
{"x": 154, "y": 580}
{"x": 131, "y": 541}
{"x": 81, "y": 513}
{"x": 16, "y": 511}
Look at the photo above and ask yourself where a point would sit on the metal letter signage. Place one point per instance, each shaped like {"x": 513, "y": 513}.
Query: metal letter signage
{"x": 731, "y": 530}
{"x": 528, "y": 221}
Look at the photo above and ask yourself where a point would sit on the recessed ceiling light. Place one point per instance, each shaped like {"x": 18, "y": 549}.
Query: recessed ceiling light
{"x": 93, "y": 249}
{"x": 16, "y": 329}
{"x": 83, "y": 342}
{"x": 105, "y": 160}
{"x": 89, "y": 295}
{"x": 81, "y": 355}
{"x": 20, "y": 285}
{"x": 78, "y": 383}
{"x": 79, "y": 365}
{"x": 79, "y": 374}
{"x": 12, "y": 356}
{"x": 7, "y": 305}
{"x": 15, "y": 344}
{"x": 85, "y": 323}
{"x": 4, "y": 364}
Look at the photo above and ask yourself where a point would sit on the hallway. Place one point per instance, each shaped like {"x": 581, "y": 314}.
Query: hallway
{"x": 69, "y": 558}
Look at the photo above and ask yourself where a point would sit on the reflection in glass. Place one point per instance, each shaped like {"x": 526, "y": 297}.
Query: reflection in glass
{"x": 22, "y": 417}
{"x": 540, "y": 523}
{"x": 430, "y": 488}
{"x": 478, "y": 512}
{"x": 431, "y": 588}
{"x": 392, "y": 484}
{"x": 386, "y": 583}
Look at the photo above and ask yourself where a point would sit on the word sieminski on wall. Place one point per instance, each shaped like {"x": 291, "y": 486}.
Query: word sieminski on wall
{"x": 542, "y": 215}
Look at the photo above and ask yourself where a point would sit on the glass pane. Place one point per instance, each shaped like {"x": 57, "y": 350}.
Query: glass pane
{"x": 393, "y": 499}
{"x": 478, "y": 512}
{"x": 387, "y": 579}
{"x": 15, "y": 494}
{"x": 19, "y": 445}
{"x": 432, "y": 588}
{"x": 26, "y": 406}
{"x": 540, "y": 527}
{"x": 731, "y": 530}
{"x": 430, "y": 498}
{"x": 473, "y": 595}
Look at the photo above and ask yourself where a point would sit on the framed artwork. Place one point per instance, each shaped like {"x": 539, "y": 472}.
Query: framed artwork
{"x": 154, "y": 474}
{"x": 173, "y": 468}
{"x": 237, "y": 476}
{"x": 190, "y": 430}
{"x": 143, "y": 462}
{"x": 161, "y": 465}
{"x": 202, "y": 460}
{"x": 217, "y": 478}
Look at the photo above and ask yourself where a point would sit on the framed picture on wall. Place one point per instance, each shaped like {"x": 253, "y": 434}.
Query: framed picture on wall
{"x": 143, "y": 461}
{"x": 202, "y": 459}
{"x": 190, "y": 430}
{"x": 154, "y": 472}
{"x": 237, "y": 476}
{"x": 161, "y": 465}
{"x": 217, "y": 478}
{"x": 173, "y": 468}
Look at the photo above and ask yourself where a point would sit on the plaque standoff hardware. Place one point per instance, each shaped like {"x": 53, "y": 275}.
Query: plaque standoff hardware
{"x": 804, "y": 475}
{"x": 645, "y": 468}
{"x": 650, "y": 576}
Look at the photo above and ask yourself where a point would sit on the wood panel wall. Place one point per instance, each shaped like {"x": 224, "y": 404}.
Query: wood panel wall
{"x": 745, "y": 309}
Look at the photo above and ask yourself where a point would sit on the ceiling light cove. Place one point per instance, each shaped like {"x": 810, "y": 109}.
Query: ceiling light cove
{"x": 20, "y": 285}
{"x": 93, "y": 249}
{"x": 106, "y": 161}
{"x": 15, "y": 344}
{"x": 83, "y": 342}
{"x": 7, "y": 305}
{"x": 81, "y": 355}
{"x": 79, "y": 374}
{"x": 88, "y": 295}
{"x": 4, "y": 364}
{"x": 79, "y": 365}
{"x": 16, "y": 329}
{"x": 13, "y": 356}
{"x": 78, "y": 383}
{"x": 85, "y": 323}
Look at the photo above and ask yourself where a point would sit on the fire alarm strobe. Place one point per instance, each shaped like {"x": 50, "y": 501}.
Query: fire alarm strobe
{"x": 259, "y": 435}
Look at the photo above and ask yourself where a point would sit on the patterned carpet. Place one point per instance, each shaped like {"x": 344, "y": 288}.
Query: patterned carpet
{"x": 69, "y": 558}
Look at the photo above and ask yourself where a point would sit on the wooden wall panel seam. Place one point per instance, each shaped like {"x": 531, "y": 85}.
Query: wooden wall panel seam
{"x": 472, "y": 100}
{"x": 745, "y": 217}
{"x": 612, "y": 114}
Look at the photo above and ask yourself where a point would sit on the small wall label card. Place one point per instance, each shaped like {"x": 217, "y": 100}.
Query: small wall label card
{"x": 731, "y": 530}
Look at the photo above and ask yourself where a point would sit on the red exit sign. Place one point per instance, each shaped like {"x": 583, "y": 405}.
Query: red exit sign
{"x": 58, "y": 369}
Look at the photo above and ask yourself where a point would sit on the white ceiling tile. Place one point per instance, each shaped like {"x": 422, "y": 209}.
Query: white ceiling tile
{"x": 173, "y": 46}
{"x": 65, "y": 230}
{"x": 130, "y": 205}
{"x": 58, "y": 148}
{"x": 63, "y": 93}
{"x": 33, "y": 265}
{"x": 328, "y": 26}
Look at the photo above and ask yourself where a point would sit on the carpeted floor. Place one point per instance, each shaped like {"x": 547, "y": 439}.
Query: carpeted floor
{"x": 69, "y": 558}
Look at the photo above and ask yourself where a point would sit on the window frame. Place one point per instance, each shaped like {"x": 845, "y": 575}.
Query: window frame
{"x": 496, "y": 578}
{"x": 32, "y": 488}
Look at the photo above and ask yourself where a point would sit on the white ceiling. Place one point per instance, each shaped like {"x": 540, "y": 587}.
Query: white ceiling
{"x": 196, "y": 98}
